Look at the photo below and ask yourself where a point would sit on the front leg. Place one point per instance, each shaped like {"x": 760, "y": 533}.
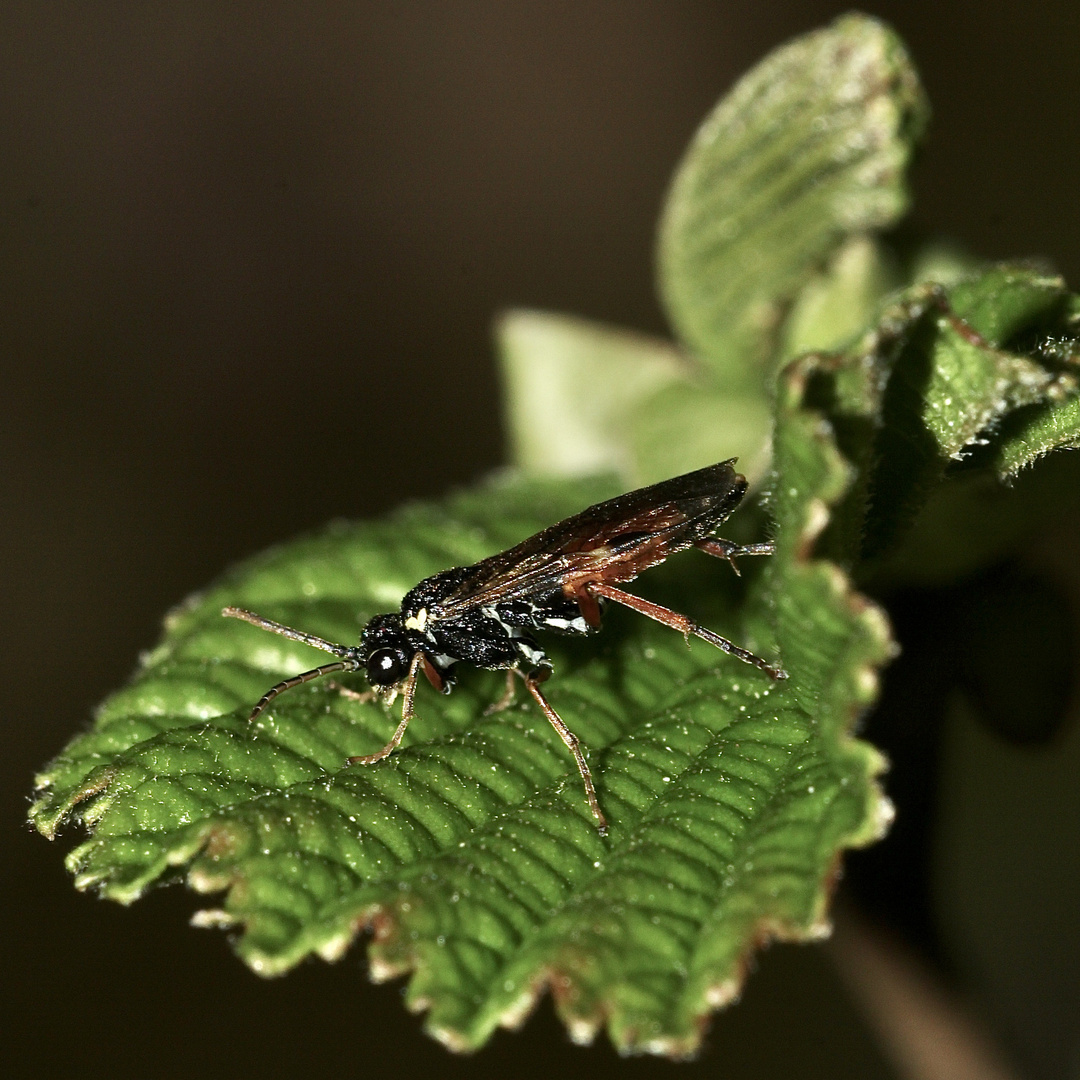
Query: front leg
{"x": 408, "y": 694}
{"x": 363, "y": 697}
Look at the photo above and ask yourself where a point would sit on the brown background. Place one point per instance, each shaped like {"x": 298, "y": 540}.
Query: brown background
{"x": 250, "y": 257}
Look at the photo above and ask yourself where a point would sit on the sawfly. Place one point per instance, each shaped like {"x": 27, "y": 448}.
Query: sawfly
{"x": 558, "y": 580}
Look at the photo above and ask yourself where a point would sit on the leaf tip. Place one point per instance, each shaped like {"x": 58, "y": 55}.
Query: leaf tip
{"x": 882, "y": 817}
{"x": 212, "y": 919}
{"x": 719, "y": 995}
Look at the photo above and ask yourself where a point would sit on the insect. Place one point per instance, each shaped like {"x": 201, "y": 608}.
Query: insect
{"x": 559, "y": 580}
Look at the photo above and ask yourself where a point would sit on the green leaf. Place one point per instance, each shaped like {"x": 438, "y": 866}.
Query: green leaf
{"x": 1005, "y": 300}
{"x": 569, "y": 384}
{"x": 808, "y": 149}
{"x": 837, "y": 306}
{"x": 470, "y": 852}
{"x": 686, "y": 426}
{"x": 936, "y": 412}
{"x": 1053, "y": 424}
{"x": 583, "y": 398}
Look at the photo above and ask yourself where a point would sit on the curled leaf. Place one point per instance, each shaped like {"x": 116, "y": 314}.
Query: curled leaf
{"x": 808, "y": 149}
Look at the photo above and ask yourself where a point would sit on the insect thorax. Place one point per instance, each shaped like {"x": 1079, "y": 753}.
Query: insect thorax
{"x": 487, "y": 635}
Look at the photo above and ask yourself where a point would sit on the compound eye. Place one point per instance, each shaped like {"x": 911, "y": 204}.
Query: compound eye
{"x": 385, "y": 667}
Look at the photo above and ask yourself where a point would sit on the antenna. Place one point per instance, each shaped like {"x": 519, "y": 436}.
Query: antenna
{"x": 350, "y": 655}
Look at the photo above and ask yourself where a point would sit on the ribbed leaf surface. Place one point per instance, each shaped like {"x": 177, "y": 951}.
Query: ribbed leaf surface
{"x": 953, "y": 392}
{"x": 471, "y": 852}
{"x": 807, "y": 149}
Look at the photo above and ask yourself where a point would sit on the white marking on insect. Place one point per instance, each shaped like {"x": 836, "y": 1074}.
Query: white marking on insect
{"x": 418, "y": 621}
{"x": 577, "y": 624}
{"x": 533, "y": 655}
{"x": 493, "y": 614}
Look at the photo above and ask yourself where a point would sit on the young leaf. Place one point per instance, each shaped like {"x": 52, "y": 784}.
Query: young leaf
{"x": 585, "y": 397}
{"x": 951, "y": 392}
{"x": 809, "y": 148}
{"x": 836, "y": 307}
{"x": 568, "y": 386}
{"x": 582, "y": 397}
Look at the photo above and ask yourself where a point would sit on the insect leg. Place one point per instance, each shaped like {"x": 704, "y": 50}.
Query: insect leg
{"x": 364, "y": 697}
{"x": 574, "y": 746}
{"x": 408, "y": 693}
{"x": 684, "y": 625}
{"x": 589, "y": 608}
{"x": 508, "y": 696}
{"x": 730, "y": 551}
{"x": 296, "y": 680}
{"x": 432, "y": 675}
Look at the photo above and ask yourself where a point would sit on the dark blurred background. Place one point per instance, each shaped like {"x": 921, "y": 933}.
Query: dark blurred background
{"x": 251, "y": 253}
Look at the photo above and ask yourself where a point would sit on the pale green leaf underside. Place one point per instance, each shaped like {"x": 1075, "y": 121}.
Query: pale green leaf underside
{"x": 569, "y": 385}
{"x": 582, "y": 398}
{"x": 807, "y": 149}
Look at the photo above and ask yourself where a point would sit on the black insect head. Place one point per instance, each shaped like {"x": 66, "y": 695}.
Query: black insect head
{"x": 387, "y": 650}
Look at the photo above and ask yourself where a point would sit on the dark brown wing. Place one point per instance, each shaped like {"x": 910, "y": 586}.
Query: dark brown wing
{"x": 612, "y": 541}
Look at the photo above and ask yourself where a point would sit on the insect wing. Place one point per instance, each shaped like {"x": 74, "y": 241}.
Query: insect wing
{"x": 611, "y": 541}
